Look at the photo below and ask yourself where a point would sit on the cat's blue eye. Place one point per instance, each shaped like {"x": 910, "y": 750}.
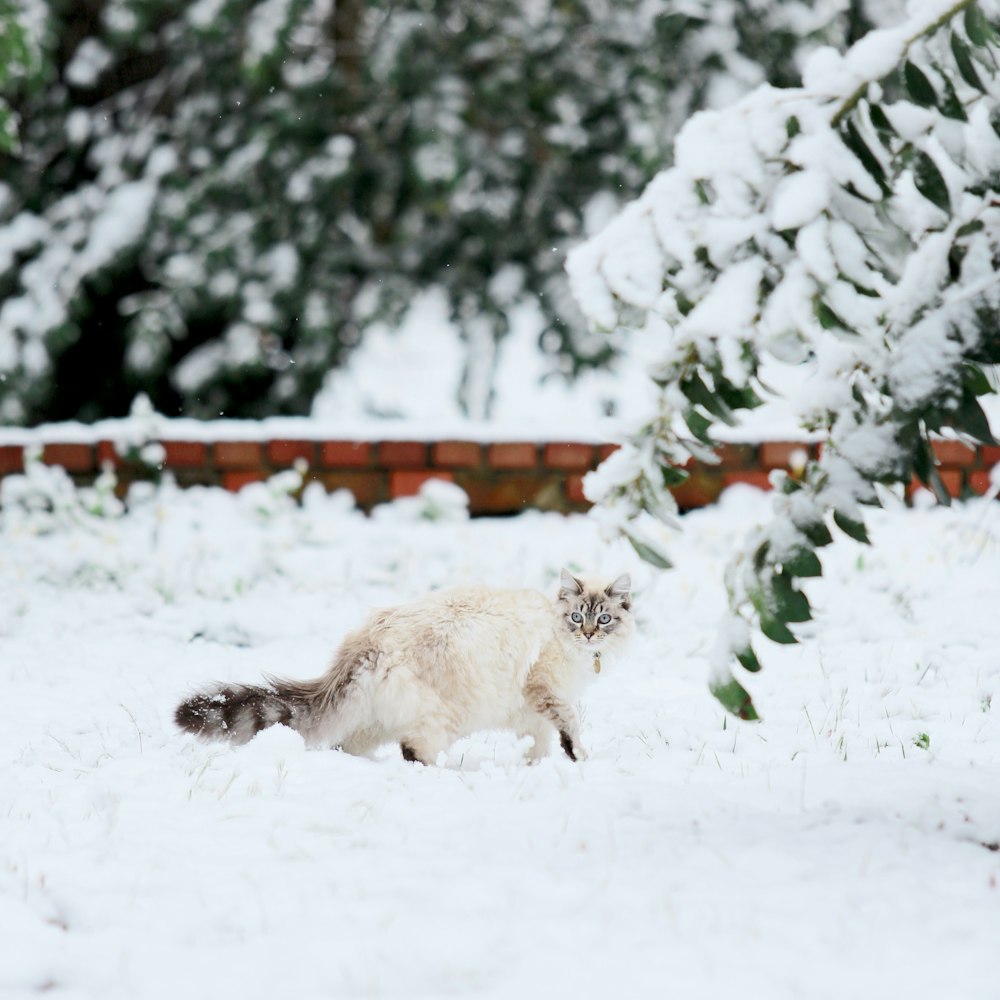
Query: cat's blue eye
{"x": 604, "y": 620}
{"x": 576, "y": 617}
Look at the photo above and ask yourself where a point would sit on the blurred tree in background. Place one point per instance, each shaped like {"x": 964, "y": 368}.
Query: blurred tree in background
{"x": 210, "y": 200}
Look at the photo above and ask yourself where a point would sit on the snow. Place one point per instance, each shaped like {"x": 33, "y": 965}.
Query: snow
{"x": 119, "y": 224}
{"x": 834, "y": 849}
{"x": 89, "y": 61}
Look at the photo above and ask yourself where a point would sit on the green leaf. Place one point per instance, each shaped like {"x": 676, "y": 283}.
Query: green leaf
{"x": 929, "y": 181}
{"x": 737, "y": 399}
{"x": 857, "y": 145}
{"x": 970, "y": 418}
{"x": 965, "y": 63}
{"x": 976, "y": 26}
{"x": 792, "y": 127}
{"x": 803, "y": 563}
{"x": 975, "y": 226}
{"x": 649, "y": 554}
{"x": 792, "y": 604}
{"x": 918, "y": 85}
{"x": 883, "y": 127}
{"x": 760, "y": 557}
{"x": 698, "y": 424}
{"x": 695, "y": 389}
{"x": 951, "y": 105}
{"x": 828, "y": 319}
{"x": 734, "y": 698}
{"x": 849, "y": 526}
{"x": 923, "y": 460}
{"x": 776, "y": 630}
{"x": 673, "y": 475}
{"x": 770, "y": 624}
{"x": 974, "y": 380}
{"x": 817, "y": 532}
{"x": 748, "y": 659}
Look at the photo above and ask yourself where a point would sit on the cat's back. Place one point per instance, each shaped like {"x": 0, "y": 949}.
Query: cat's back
{"x": 466, "y": 627}
{"x": 471, "y": 604}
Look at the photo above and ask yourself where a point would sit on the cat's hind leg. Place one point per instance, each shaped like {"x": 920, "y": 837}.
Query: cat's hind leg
{"x": 425, "y": 745}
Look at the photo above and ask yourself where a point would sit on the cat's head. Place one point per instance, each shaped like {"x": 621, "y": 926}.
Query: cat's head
{"x": 594, "y": 612}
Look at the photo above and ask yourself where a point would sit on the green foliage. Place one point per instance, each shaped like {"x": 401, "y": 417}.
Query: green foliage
{"x": 19, "y": 66}
{"x": 880, "y": 254}
{"x": 215, "y": 200}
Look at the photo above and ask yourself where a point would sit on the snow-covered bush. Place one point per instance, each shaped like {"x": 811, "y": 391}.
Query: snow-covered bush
{"x": 436, "y": 500}
{"x": 44, "y": 499}
{"x": 851, "y": 227}
{"x": 214, "y": 200}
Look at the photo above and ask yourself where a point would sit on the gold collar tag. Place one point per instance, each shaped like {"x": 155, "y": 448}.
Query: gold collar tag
{"x": 597, "y": 663}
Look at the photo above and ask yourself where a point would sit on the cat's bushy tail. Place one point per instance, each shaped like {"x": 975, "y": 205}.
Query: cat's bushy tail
{"x": 237, "y": 712}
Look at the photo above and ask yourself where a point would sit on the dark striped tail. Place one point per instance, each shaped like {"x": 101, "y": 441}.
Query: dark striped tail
{"x": 237, "y": 712}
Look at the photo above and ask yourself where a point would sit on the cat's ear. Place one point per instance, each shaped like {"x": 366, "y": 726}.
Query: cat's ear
{"x": 569, "y": 585}
{"x": 620, "y": 588}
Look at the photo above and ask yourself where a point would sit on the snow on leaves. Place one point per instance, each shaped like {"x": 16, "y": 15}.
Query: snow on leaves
{"x": 849, "y": 226}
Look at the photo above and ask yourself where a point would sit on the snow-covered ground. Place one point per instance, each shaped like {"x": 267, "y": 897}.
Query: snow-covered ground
{"x": 836, "y": 849}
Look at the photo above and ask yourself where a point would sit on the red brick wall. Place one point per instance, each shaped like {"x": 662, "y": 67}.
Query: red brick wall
{"x": 500, "y": 478}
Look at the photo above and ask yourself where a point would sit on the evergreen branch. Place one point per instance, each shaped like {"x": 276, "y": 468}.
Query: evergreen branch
{"x": 859, "y": 93}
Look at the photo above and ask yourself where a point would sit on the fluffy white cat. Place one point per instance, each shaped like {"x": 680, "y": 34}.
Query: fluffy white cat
{"x": 447, "y": 665}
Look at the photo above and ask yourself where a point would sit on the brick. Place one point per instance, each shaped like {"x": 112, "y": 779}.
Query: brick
{"x": 606, "y": 451}
{"x": 11, "y": 458}
{"x": 989, "y": 454}
{"x": 402, "y": 454}
{"x": 369, "y": 488}
{"x": 457, "y": 454}
{"x": 752, "y": 477}
{"x": 701, "y": 488}
{"x": 511, "y": 494}
{"x": 407, "y": 482}
{"x": 239, "y": 455}
{"x": 185, "y": 454}
{"x": 106, "y": 452}
{"x": 568, "y": 456}
{"x": 779, "y": 454}
{"x": 235, "y": 481}
{"x": 283, "y": 452}
{"x": 737, "y": 456}
{"x": 345, "y": 454}
{"x": 517, "y": 455}
{"x": 952, "y": 454}
{"x": 979, "y": 481}
{"x": 952, "y": 480}
{"x": 72, "y": 457}
{"x": 574, "y": 489}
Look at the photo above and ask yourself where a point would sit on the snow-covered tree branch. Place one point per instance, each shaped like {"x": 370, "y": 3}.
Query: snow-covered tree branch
{"x": 850, "y": 226}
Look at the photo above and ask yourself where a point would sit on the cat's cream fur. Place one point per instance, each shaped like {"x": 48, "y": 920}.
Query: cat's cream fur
{"x": 427, "y": 673}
